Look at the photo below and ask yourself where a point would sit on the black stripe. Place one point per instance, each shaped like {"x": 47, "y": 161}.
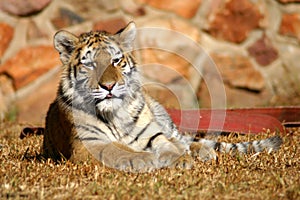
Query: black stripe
{"x": 258, "y": 145}
{"x": 101, "y": 155}
{"x": 89, "y": 138}
{"x": 111, "y": 131}
{"x": 217, "y": 146}
{"x": 137, "y": 116}
{"x": 90, "y": 43}
{"x": 81, "y": 81}
{"x": 131, "y": 164}
{"x": 89, "y": 128}
{"x": 69, "y": 73}
{"x": 120, "y": 135}
{"x": 75, "y": 72}
{"x": 233, "y": 147}
{"x": 97, "y": 129}
{"x": 149, "y": 144}
{"x": 139, "y": 134}
{"x": 112, "y": 49}
{"x": 86, "y": 129}
{"x": 245, "y": 146}
{"x": 78, "y": 54}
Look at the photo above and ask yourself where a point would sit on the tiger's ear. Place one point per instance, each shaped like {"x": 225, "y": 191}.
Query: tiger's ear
{"x": 65, "y": 43}
{"x": 127, "y": 35}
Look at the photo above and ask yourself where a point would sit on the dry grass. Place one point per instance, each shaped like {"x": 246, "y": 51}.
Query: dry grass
{"x": 264, "y": 176}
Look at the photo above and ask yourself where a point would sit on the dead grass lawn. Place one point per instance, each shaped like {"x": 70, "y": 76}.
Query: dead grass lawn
{"x": 264, "y": 176}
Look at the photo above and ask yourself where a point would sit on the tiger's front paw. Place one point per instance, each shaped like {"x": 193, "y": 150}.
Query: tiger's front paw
{"x": 172, "y": 159}
{"x": 137, "y": 162}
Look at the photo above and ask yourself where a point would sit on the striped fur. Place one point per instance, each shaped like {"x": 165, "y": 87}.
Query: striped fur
{"x": 102, "y": 112}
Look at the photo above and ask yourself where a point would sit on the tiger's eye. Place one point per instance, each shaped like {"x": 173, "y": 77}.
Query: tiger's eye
{"x": 89, "y": 65}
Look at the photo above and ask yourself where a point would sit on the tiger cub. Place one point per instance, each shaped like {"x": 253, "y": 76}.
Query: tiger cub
{"x": 102, "y": 112}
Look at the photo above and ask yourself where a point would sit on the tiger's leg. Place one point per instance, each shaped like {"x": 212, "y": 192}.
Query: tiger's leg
{"x": 163, "y": 153}
{"x": 121, "y": 157}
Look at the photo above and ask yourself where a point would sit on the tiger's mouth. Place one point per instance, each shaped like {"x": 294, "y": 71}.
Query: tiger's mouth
{"x": 104, "y": 93}
{"x": 109, "y": 96}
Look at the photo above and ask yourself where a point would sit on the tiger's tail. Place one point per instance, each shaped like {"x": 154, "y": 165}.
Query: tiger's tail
{"x": 269, "y": 145}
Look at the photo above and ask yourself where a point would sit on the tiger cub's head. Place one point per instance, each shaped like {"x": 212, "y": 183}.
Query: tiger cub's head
{"x": 98, "y": 66}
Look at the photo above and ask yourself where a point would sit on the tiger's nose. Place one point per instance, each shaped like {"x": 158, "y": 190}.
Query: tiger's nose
{"x": 108, "y": 86}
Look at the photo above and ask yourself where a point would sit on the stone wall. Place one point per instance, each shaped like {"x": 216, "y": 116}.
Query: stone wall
{"x": 193, "y": 53}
